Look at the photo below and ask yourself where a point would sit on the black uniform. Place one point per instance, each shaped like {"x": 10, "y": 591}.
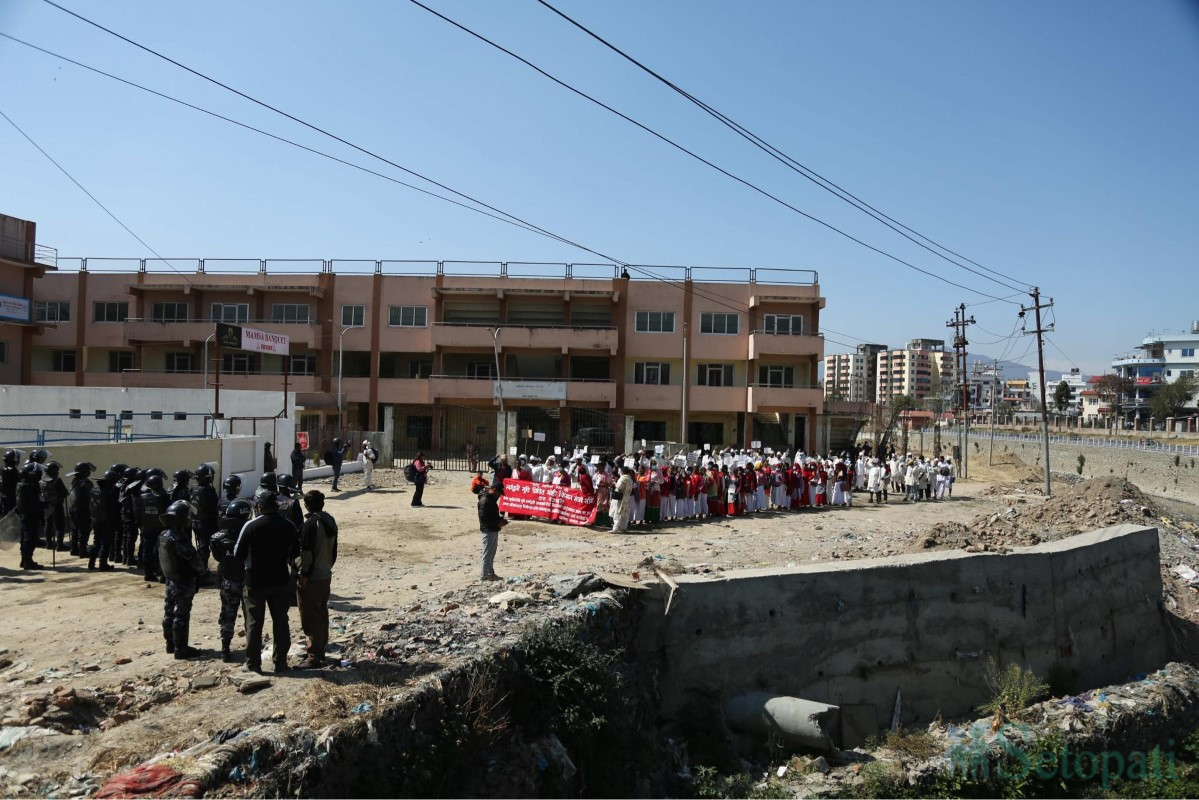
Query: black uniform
{"x": 106, "y": 515}
{"x": 29, "y": 507}
{"x": 153, "y": 503}
{"x": 10, "y": 476}
{"x": 181, "y": 490}
{"x": 54, "y": 495}
{"x": 206, "y": 503}
{"x": 129, "y": 519}
{"x": 232, "y": 574}
{"x": 182, "y": 569}
{"x": 79, "y": 506}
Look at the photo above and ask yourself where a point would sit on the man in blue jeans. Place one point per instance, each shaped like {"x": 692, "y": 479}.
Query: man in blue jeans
{"x": 490, "y": 523}
{"x": 334, "y": 457}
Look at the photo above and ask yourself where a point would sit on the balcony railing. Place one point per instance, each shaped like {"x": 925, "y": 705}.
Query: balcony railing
{"x": 28, "y": 252}
{"x": 213, "y": 321}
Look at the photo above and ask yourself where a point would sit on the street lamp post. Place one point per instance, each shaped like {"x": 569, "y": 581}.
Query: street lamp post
{"x": 211, "y": 336}
{"x": 499, "y": 383}
{"x": 341, "y": 357}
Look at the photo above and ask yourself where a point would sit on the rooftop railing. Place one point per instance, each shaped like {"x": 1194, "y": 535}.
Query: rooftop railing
{"x": 186, "y": 267}
{"x": 28, "y": 252}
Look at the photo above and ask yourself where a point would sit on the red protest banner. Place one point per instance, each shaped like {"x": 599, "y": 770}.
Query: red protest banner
{"x": 548, "y": 501}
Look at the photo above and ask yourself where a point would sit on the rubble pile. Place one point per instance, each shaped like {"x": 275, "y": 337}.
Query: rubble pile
{"x": 1030, "y": 519}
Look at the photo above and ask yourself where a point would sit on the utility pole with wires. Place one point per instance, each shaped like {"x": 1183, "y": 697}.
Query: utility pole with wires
{"x": 959, "y": 323}
{"x": 994, "y": 369}
{"x": 1037, "y": 305}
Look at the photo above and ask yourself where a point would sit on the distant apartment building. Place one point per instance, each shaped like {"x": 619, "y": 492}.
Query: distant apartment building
{"x": 921, "y": 370}
{"x": 853, "y": 377}
{"x": 1158, "y": 359}
{"x": 570, "y": 351}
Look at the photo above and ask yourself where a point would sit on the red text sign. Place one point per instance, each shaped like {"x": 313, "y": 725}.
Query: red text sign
{"x": 548, "y": 501}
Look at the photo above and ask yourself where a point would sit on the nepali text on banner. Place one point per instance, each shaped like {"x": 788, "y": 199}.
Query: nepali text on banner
{"x": 548, "y": 501}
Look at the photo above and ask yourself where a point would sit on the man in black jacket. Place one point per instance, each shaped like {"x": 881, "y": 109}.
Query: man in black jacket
{"x": 106, "y": 516}
{"x": 29, "y": 507}
{"x": 334, "y": 457}
{"x": 80, "y": 507}
{"x": 206, "y": 502}
{"x": 490, "y": 523}
{"x": 267, "y": 546}
{"x": 298, "y": 459}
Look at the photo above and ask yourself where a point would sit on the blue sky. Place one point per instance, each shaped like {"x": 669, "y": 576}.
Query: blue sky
{"x": 1053, "y": 142}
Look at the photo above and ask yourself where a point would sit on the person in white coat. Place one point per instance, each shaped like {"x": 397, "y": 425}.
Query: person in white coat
{"x": 874, "y": 481}
{"x": 368, "y": 457}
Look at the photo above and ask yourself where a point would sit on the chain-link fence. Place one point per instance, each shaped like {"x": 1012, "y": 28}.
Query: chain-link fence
{"x": 41, "y": 430}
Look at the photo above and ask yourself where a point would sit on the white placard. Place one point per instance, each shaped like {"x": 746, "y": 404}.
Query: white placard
{"x": 757, "y": 444}
{"x": 643, "y": 443}
{"x": 557, "y": 450}
{"x": 659, "y": 448}
{"x": 707, "y": 448}
{"x": 595, "y": 459}
{"x": 539, "y": 437}
{"x": 628, "y": 462}
{"x": 511, "y": 451}
{"x": 769, "y": 451}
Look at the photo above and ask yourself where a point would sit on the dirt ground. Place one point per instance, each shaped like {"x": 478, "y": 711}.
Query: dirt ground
{"x": 82, "y": 652}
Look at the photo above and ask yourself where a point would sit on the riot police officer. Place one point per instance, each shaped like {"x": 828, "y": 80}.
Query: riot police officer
{"x": 79, "y": 506}
{"x": 289, "y": 500}
{"x": 131, "y": 487}
{"x": 232, "y": 487}
{"x": 10, "y": 476}
{"x": 207, "y": 507}
{"x": 154, "y": 502}
{"x": 181, "y": 566}
{"x": 267, "y": 484}
{"x": 232, "y": 571}
{"x": 106, "y": 515}
{"x": 54, "y": 495}
{"x": 181, "y": 490}
{"x": 29, "y": 507}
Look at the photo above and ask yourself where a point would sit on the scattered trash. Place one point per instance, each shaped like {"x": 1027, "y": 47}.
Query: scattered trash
{"x": 362, "y": 708}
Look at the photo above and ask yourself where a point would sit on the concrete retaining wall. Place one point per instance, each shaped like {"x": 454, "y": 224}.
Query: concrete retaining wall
{"x": 857, "y": 632}
{"x": 1154, "y": 473}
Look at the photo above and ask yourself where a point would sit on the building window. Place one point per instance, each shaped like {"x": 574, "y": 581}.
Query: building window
{"x": 422, "y": 368}
{"x": 653, "y": 373}
{"x": 303, "y": 364}
{"x": 1186, "y": 373}
{"x": 3, "y": 352}
{"x": 51, "y": 311}
{"x": 353, "y": 316}
{"x": 178, "y": 362}
{"x": 655, "y": 322}
{"x": 408, "y": 316}
{"x": 777, "y": 377}
{"x": 63, "y": 361}
{"x": 715, "y": 374}
{"x": 111, "y": 312}
{"x": 231, "y": 313}
{"x": 298, "y": 313}
{"x": 120, "y": 360}
{"x": 168, "y": 312}
{"x": 237, "y": 363}
{"x": 791, "y": 324}
{"x": 711, "y": 322}
{"x": 1188, "y": 352}
{"x": 480, "y": 369}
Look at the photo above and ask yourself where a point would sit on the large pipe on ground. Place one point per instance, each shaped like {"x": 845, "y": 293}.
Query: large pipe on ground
{"x": 797, "y": 721}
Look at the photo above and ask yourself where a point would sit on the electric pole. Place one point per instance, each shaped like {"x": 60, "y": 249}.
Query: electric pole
{"x": 994, "y": 410}
{"x": 959, "y": 323}
{"x": 1036, "y": 309}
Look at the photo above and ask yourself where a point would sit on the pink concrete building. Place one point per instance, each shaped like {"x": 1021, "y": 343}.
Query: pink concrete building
{"x": 583, "y": 353}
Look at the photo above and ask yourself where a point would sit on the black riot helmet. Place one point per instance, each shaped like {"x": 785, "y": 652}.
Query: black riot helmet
{"x": 181, "y": 476}
{"x": 53, "y": 468}
{"x": 239, "y": 510}
{"x": 85, "y": 468}
{"x": 12, "y": 457}
{"x": 204, "y": 474}
{"x": 154, "y": 483}
{"x": 108, "y": 478}
{"x": 119, "y": 468}
{"x": 31, "y": 471}
{"x": 270, "y": 480}
{"x": 131, "y": 473}
{"x": 178, "y": 509}
{"x": 232, "y": 483}
{"x": 39, "y": 456}
{"x": 159, "y": 471}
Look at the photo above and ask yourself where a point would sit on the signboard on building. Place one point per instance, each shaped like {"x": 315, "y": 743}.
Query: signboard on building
{"x": 239, "y": 337}
{"x": 529, "y": 390}
{"x": 14, "y": 309}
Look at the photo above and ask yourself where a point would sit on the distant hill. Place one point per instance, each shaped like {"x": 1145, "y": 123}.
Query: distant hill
{"x": 1013, "y": 370}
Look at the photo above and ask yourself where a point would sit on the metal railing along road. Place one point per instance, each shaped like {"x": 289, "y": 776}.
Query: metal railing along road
{"x": 474, "y": 269}
{"x": 1144, "y": 444}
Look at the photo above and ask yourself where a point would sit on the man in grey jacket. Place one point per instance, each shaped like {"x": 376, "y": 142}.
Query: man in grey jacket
{"x": 318, "y": 553}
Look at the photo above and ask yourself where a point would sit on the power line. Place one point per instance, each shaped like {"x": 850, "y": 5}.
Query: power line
{"x": 265, "y": 133}
{"x": 522, "y": 222}
{"x": 95, "y": 199}
{"x": 793, "y": 164}
{"x": 692, "y": 154}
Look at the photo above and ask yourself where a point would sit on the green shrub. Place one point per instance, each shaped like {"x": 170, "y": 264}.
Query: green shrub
{"x": 1012, "y": 687}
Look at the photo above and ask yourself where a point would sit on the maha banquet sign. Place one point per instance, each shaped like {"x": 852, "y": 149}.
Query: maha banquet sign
{"x": 547, "y": 501}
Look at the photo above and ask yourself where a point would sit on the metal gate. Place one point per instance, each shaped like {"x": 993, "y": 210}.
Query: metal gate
{"x": 451, "y": 437}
